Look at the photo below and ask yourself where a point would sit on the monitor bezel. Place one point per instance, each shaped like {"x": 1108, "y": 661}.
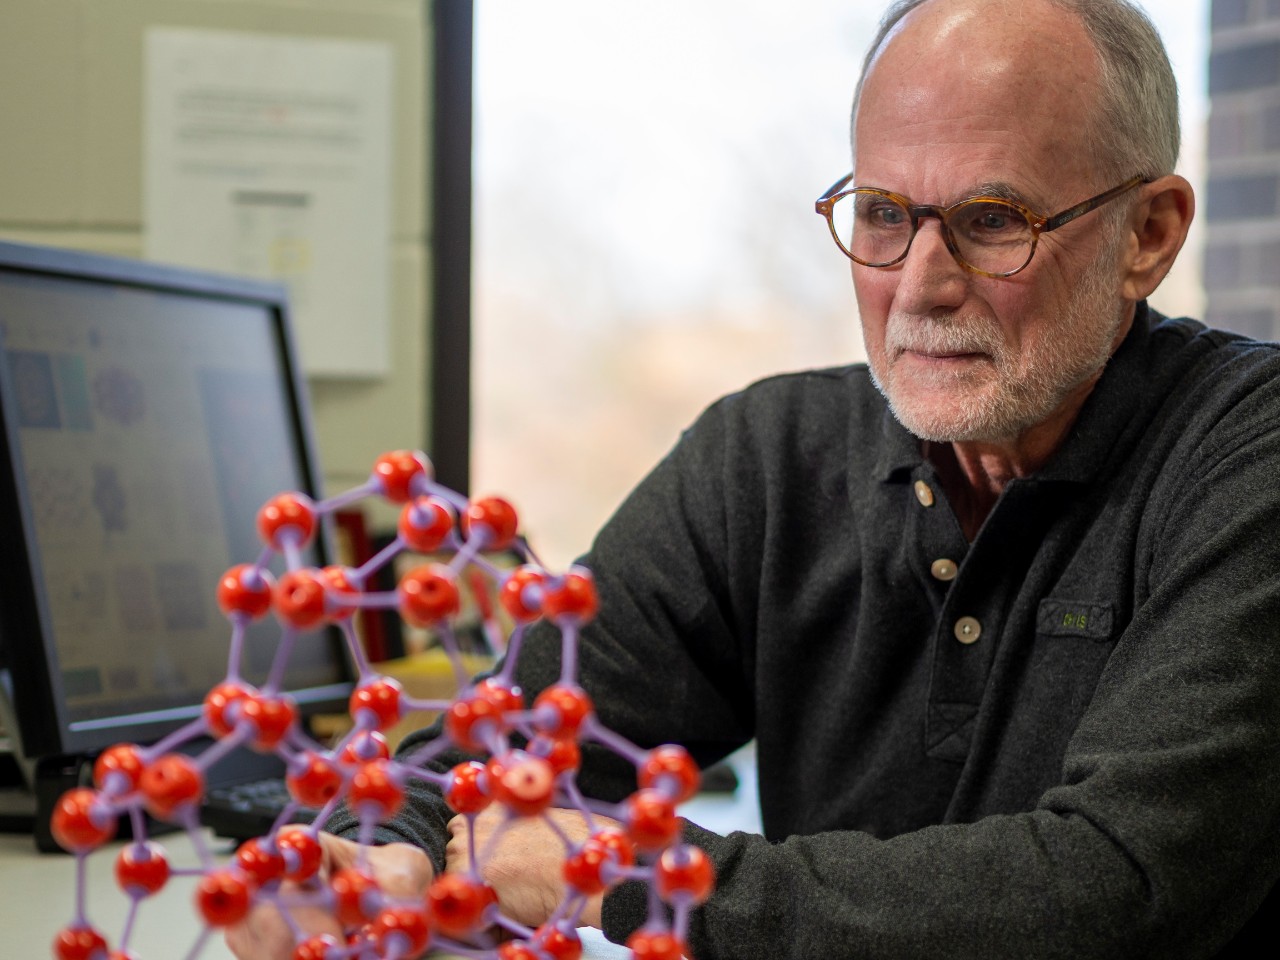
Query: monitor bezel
{"x": 30, "y": 678}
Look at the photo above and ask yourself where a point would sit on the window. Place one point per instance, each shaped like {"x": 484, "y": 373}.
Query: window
{"x": 644, "y": 231}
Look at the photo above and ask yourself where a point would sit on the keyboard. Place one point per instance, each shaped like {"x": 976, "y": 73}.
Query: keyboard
{"x": 245, "y": 810}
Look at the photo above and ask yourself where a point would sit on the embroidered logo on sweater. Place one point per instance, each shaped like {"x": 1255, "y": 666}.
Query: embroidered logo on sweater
{"x": 1074, "y": 618}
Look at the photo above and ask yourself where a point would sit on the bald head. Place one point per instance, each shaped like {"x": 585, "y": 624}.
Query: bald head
{"x": 1002, "y": 89}
{"x": 1105, "y": 53}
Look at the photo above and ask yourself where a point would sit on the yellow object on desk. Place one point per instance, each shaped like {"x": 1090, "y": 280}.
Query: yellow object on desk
{"x": 424, "y": 676}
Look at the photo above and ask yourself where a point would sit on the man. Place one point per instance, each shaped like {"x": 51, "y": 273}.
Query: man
{"x": 1009, "y": 652}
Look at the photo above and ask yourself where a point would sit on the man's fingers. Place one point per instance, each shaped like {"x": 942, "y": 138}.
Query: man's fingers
{"x": 458, "y": 826}
{"x": 265, "y": 935}
{"x": 457, "y": 850}
{"x": 402, "y": 871}
{"x": 524, "y": 864}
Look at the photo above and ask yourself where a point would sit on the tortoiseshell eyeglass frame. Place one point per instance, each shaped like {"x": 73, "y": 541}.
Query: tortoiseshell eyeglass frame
{"x": 1038, "y": 223}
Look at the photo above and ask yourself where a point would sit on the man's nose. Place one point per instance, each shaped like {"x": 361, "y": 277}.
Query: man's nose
{"x": 929, "y": 277}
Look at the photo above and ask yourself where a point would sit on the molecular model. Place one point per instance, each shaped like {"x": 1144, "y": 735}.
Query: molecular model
{"x": 458, "y": 912}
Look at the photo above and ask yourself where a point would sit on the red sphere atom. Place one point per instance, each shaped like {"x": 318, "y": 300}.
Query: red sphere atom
{"x": 651, "y": 820}
{"x": 218, "y": 703}
{"x": 672, "y": 766}
{"x": 324, "y": 946}
{"x": 374, "y": 788}
{"x": 361, "y": 942}
{"x": 457, "y": 903}
{"x": 365, "y": 746}
{"x": 223, "y": 897}
{"x": 521, "y": 593}
{"x": 429, "y": 594}
{"x": 558, "y": 942}
{"x": 81, "y": 821}
{"x": 571, "y": 601}
{"x": 341, "y": 591}
{"x": 523, "y": 783}
{"x": 269, "y": 717}
{"x": 684, "y": 871}
{"x": 400, "y": 472}
{"x": 584, "y": 868}
{"x": 287, "y": 518}
{"x": 118, "y": 770}
{"x": 79, "y": 942}
{"x": 142, "y": 868}
{"x": 380, "y": 699}
{"x": 469, "y": 720}
{"x": 425, "y": 524}
{"x": 508, "y": 698}
{"x": 301, "y": 600}
{"x": 354, "y": 893}
{"x": 401, "y": 932}
{"x": 563, "y": 755}
{"x": 261, "y": 861}
{"x": 245, "y": 589}
{"x": 302, "y": 853}
{"x": 171, "y": 785}
{"x": 492, "y": 519}
{"x": 314, "y": 780}
{"x": 656, "y": 945}
{"x": 560, "y": 711}
{"x": 463, "y": 792}
{"x": 618, "y": 843}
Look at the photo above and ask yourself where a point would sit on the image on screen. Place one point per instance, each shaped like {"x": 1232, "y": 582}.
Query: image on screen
{"x": 146, "y": 427}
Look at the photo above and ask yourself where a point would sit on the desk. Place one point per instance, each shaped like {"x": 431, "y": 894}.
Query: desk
{"x": 37, "y": 899}
{"x": 37, "y": 891}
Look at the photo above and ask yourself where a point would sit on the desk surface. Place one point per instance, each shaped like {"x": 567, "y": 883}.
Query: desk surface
{"x": 37, "y": 891}
{"x": 38, "y": 896}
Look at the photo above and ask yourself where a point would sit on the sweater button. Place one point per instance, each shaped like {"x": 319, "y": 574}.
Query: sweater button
{"x": 924, "y": 494}
{"x": 943, "y": 569}
{"x": 968, "y": 630}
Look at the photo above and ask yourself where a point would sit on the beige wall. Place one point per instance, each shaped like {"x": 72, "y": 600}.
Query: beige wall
{"x": 71, "y": 126}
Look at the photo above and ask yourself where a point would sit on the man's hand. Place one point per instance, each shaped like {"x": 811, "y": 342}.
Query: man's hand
{"x": 524, "y": 865}
{"x": 401, "y": 870}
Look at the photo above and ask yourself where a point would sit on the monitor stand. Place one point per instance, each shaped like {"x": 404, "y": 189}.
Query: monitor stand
{"x": 17, "y": 801}
{"x": 29, "y": 791}
{"x": 17, "y": 774}
{"x": 27, "y": 807}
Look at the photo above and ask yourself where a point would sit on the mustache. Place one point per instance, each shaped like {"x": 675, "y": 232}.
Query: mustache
{"x": 947, "y": 334}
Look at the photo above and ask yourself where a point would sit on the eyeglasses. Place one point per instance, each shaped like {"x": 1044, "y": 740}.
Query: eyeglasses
{"x": 989, "y": 236}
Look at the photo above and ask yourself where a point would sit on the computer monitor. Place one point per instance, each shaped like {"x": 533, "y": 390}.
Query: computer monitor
{"x": 148, "y": 412}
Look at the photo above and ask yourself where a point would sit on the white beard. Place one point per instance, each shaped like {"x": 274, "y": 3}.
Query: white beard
{"x": 1012, "y": 391}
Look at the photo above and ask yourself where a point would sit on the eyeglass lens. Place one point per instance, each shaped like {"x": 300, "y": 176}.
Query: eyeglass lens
{"x": 989, "y": 235}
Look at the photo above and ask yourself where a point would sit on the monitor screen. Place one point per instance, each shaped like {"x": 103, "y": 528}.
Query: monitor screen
{"x": 148, "y": 413}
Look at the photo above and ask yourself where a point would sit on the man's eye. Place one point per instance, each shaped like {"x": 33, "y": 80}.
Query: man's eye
{"x": 992, "y": 219}
{"x": 886, "y": 215}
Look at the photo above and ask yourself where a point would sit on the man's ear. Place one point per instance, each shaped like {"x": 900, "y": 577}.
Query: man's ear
{"x": 1158, "y": 225}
